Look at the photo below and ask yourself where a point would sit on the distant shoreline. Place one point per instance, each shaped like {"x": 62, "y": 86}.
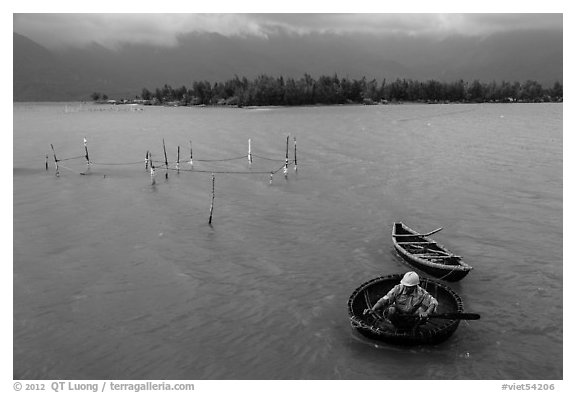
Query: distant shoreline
{"x": 256, "y": 107}
{"x": 266, "y": 90}
{"x": 173, "y": 105}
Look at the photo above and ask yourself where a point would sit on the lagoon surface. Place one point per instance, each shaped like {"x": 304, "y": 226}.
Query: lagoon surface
{"x": 116, "y": 278}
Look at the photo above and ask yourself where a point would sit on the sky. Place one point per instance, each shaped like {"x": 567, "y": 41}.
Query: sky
{"x": 62, "y": 29}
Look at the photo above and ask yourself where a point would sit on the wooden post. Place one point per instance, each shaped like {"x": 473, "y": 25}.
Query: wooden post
{"x": 178, "y": 161}
{"x": 286, "y": 164}
{"x": 165, "y": 157}
{"x": 86, "y": 150}
{"x": 55, "y": 161}
{"x": 295, "y": 160}
{"x": 212, "y": 204}
{"x": 152, "y": 171}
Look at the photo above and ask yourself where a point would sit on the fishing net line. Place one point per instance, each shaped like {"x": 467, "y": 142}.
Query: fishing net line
{"x": 184, "y": 165}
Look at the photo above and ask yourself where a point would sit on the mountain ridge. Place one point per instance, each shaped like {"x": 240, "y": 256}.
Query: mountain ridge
{"x": 41, "y": 74}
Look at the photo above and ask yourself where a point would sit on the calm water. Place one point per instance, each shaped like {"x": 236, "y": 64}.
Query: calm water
{"x": 115, "y": 278}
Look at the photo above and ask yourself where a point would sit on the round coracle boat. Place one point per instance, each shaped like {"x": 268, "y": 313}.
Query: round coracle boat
{"x": 433, "y": 330}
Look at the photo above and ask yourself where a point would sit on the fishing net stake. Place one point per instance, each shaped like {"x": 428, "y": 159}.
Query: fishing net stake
{"x": 249, "y": 152}
{"x": 152, "y": 171}
{"x": 295, "y": 160}
{"x": 286, "y": 164}
{"x": 178, "y": 161}
{"x": 212, "y": 204}
{"x": 147, "y": 160}
{"x": 55, "y": 160}
{"x": 87, "y": 157}
{"x": 165, "y": 157}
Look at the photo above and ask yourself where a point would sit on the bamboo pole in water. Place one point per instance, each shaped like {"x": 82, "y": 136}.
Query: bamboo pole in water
{"x": 286, "y": 164}
{"x": 295, "y": 160}
{"x": 86, "y": 150}
{"x": 152, "y": 171}
{"x": 165, "y": 157}
{"x": 55, "y": 160}
{"x": 212, "y": 204}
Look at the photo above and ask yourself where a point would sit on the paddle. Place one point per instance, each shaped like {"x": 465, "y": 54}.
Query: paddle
{"x": 418, "y": 234}
{"x": 454, "y": 315}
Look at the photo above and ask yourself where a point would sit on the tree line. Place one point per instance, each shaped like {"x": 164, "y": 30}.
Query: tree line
{"x": 330, "y": 90}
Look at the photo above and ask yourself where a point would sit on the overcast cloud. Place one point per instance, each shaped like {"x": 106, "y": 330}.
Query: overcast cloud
{"x": 53, "y": 30}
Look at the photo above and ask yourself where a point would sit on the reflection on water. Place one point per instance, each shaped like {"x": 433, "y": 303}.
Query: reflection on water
{"x": 117, "y": 279}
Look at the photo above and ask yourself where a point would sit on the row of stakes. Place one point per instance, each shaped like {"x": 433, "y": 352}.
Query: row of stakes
{"x": 150, "y": 165}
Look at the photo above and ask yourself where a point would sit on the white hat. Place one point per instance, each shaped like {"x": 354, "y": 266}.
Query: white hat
{"x": 410, "y": 279}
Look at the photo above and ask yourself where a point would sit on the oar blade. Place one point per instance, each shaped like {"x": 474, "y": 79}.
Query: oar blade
{"x": 457, "y": 315}
{"x": 433, "y": 232}
{"x": 417, "y": 234}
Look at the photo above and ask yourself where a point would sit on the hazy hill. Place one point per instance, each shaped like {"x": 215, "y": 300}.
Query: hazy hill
{"x": 74, "y": 73}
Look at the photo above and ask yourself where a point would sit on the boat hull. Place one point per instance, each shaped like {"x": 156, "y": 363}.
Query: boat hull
{"x": 449, "y": 274}
{"x": 433, "y": 331}
{"x": 447, "y": 266}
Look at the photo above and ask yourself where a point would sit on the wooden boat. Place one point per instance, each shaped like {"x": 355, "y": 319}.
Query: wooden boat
{"x": 423, "y": 253}
{"x": 433, "y": 331}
